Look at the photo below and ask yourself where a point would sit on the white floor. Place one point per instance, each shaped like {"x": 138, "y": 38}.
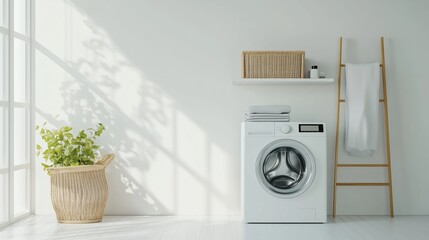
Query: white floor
{"x": 172, "y": 228}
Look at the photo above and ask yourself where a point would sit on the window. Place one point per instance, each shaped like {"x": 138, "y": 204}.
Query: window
{"x": 16, "y": 111}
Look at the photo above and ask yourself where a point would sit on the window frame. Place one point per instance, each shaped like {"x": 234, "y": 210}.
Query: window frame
{"x": 9, "y": 105}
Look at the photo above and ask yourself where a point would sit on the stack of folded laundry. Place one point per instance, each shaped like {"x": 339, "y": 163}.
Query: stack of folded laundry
{"x": 268, "y": 113}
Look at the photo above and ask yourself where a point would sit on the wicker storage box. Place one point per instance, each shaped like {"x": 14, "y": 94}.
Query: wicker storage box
{"x": 273, "y": 64}
{"x": 79, "y": 194}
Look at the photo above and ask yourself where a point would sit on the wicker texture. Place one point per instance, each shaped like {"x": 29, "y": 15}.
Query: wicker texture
{"x": 79, "y": 194}
{"x": 273, "y": 64}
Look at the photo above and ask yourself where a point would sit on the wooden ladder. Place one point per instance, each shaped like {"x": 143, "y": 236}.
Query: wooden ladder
{"x": 386, "y": 125}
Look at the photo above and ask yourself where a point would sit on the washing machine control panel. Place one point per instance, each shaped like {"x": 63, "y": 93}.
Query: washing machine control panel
{"x": 297, "y": 129}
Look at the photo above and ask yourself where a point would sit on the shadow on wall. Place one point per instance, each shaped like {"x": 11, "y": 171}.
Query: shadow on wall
{"x": 164, "y": 161}
{"x": 85, "y": 104}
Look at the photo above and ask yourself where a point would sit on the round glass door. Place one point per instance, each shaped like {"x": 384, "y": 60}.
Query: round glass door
{"x": 286, "y": 168}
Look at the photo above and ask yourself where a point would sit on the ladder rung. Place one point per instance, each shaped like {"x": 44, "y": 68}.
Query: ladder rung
{"x": 362, "y": 184}
{"x": 343, "y": 100}
{"x": 343, "y": 65}
{"x": 363, "y": 165}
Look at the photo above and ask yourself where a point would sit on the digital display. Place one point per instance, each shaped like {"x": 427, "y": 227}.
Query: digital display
{"x": 310, "y": 127}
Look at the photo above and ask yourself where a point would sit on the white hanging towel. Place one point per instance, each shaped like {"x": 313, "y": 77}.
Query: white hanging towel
{"x": 362, "y": 108}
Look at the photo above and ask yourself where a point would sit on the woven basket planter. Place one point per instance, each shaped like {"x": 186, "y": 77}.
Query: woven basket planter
{"x": 79, "y": 194}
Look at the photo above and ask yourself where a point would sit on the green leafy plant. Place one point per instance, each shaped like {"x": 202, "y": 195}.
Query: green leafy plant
{"x": 65, "y": 149}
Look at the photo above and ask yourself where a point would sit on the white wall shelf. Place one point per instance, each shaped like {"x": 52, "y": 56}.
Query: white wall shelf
{"x": 274, "y": 81}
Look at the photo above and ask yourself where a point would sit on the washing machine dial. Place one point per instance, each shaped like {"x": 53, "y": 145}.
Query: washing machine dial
{"x": 286, "y": 128}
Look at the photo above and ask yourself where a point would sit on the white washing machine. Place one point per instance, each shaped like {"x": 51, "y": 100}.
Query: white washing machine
{"x": 284, "y": 172}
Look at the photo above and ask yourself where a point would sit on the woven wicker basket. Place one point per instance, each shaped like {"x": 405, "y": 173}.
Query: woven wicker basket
{"x": 273, "y": 64}
{"x": 79, "y": 194}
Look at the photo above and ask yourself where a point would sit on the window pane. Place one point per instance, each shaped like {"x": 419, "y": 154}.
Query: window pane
{"x": 3, "y": 13}
{"x": 21, "y": 191}
{"x": 3, "y": 198}
{"x": 3, "y": 137}
{"x": 20, "y": 82}
{"x": 20, "y": 135}
{"x": 3, "y": 66}
{"x": 19, "y": 15}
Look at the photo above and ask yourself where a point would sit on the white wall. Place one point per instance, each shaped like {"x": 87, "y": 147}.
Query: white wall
{"x": 158, "y": 74}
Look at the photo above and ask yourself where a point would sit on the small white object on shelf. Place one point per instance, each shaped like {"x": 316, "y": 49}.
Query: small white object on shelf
{"x": 274, "y": 81}
{"x": 314, "y": 72}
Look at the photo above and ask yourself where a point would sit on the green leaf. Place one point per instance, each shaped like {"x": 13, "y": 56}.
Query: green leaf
{"x": 82, "y": 134}
{"x": 100, "y": 129}
{"x": 45, "y": 166}
{"x": 58, "y": 149}
{"x": 67, "y": 129}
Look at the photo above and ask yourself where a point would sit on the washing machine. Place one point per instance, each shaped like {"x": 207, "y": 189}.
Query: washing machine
{"x": 284, "y": 172}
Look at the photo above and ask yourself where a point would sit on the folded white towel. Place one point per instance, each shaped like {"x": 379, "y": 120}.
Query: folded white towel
{"x": 362, "y": 108}
{"x": 267, "y": 120}
{"x": 269, "y": 109}
{"x": 272, "y": 116}
{"x": 267, "y": 117}
{"x": 257, "y": 115}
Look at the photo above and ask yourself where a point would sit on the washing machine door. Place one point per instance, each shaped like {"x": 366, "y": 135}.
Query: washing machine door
{"x": 285, "y": 168}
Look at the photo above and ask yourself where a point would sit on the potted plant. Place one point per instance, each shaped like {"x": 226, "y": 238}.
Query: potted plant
{"x": 78, "y": 182}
